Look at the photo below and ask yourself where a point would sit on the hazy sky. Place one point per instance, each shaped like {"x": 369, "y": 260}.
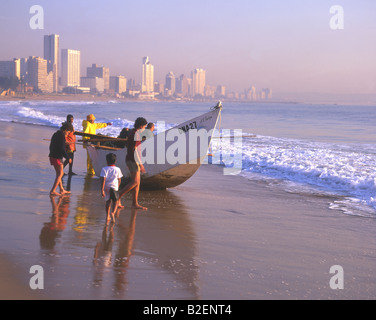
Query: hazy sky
{"x": 286, "y": 45}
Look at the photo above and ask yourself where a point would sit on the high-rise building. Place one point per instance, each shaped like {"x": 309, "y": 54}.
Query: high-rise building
{"x": 251, "y": 94}
{"x": 198, "y": 82}
{"x": 10, "y": 69}
{"x": 51, "y": 54}
{"x": 147, "y": 84}
{"x": 182, "y": 86}
{"x": 170, "y": 84}
{"x": 95, "y": 84}
{"x": 158, "y": 87}
{"x": 23, "y": 69}
{"x": 220, "y": 92}
{"x": 70, "y": 68}
{"x": 38, "y": 77}
{"x": 266, "y": 93}
{"x": 100, "y": 72}
{"x": 118, "y": 84}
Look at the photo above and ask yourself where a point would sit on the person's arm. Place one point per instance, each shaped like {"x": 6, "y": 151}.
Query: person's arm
{"x": 62, "y": 147}
{"x": 101, "y": 125}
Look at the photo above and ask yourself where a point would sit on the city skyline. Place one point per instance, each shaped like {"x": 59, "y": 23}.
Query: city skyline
{"x": 288, "y": 47}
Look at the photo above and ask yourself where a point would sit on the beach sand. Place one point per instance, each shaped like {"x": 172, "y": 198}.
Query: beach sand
{"x": 214, "y": 237}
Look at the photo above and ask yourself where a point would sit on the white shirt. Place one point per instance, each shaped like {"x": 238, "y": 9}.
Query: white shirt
{"x": 112, "y": 174}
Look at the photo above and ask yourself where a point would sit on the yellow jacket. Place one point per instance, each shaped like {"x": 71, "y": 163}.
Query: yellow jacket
{"x": 91, "y": 128}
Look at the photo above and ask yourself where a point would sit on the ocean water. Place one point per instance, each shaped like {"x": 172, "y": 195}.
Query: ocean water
{"x": 310, "y": 148}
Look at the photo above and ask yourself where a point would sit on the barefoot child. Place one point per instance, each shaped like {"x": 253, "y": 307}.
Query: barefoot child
{"x": 111, "y": 179}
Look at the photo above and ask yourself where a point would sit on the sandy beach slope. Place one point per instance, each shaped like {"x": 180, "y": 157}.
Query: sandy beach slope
{"x": 214, "y": 237}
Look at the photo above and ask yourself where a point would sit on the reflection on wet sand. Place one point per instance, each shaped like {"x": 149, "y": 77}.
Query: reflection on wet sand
{"x": 89, "y": 205}
{"x": 53, "y": 229}
{"x": 153, "y": 259}
{"x": 162, "y": 241}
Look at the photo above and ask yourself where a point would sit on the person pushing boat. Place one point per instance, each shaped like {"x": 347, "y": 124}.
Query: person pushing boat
{"x": 90, "y": 126}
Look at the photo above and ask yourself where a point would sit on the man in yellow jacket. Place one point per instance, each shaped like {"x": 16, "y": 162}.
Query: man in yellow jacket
{"x": 89, "y": 126}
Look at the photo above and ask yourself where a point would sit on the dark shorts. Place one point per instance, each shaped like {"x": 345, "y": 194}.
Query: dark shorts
{"x": 114, "y": 195}
{"x": 133, "y": 166}
{"x": 56, "y": 162}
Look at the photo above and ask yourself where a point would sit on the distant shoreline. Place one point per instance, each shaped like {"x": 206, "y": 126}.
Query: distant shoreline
{"x": 90, "y": 97}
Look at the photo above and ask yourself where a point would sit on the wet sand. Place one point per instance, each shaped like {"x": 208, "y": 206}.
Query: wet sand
{"x": 214, "y": 237}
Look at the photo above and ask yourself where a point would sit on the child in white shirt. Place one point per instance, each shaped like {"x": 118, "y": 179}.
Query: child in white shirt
{"x": 111, "y": 179}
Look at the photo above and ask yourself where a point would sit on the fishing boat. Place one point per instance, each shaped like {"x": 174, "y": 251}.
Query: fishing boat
{"x": 170, "y": 158}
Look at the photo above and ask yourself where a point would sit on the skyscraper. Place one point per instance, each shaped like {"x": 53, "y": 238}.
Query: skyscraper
{"x": 70, "y": 68}
{"x": 170, "y": 83}
{"x": 147, "y": 84}
{"x": 118, "y": 84}
{"x": 182, "y": 86}
{"x": 38, "y": 77}
{"x": 51, "y": 54}
{"x": 198, "y": 82}
{"x": 10, "y": 69}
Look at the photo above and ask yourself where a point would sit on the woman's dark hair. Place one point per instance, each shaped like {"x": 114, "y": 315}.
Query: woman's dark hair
{"x": 140, "y": 122}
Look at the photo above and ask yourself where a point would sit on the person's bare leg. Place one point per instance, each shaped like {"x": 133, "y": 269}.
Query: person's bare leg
{"x": 114, "y": 210}
{"x": 59, "y": 174}
{"x": 128, "y": 187}
{"x": 136, "y": 190}
{"x": 108, "y": 211}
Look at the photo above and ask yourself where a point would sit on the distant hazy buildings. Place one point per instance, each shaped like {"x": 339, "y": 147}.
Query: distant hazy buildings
{"x": 51, "y": 54}
{"x": 250, "y": 93}
{"x": 100, "y": 72}
{"x": 221, "y": 92}
{"x": 147, "y": 83}
{"x": 70, "y": 68}
{"x": 266, "y": 93}
{"x": 198, "y": 82}
{"x": 209, "y": 91}
{"x": 43, "y": 74}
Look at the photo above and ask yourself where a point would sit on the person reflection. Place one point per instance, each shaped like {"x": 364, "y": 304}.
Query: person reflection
{"x": 125, "y": 251}
{"x": 103, "y": 253}
{"x": 103, "y": 248}
{"x": 52, "y": 229}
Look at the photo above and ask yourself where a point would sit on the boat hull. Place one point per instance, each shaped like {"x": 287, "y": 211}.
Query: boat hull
{"x": 170, "y": 158}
